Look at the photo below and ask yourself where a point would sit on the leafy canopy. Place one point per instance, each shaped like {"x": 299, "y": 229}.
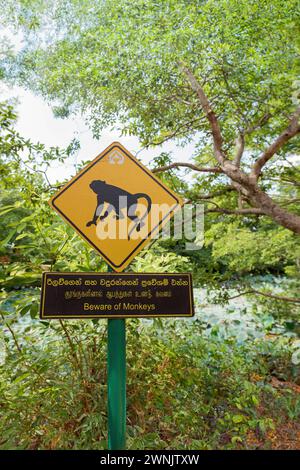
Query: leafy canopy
{"x": 120, "y": 61}
{"x": 121, "y": 64}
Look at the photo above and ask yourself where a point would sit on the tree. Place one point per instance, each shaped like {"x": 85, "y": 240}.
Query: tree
{"x": 220, "y": 72}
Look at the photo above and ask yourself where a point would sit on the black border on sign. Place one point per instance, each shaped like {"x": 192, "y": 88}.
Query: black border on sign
{"x": 97, "y": 159}
{"x": 71, "y": 317}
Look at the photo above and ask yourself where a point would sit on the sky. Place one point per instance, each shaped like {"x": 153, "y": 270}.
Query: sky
{"x": 37, "y": 123}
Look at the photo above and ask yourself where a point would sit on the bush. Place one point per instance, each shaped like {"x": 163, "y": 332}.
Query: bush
{"x": 184, "y": 390}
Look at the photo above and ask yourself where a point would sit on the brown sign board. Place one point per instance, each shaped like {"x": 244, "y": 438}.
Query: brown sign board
{"x": 112, "y": 295}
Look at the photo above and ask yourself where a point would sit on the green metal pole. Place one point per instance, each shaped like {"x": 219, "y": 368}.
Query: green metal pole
{"x": 116, "y": 376}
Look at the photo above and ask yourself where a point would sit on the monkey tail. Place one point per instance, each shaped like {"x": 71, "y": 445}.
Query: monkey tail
{"x": 149, "y": 204}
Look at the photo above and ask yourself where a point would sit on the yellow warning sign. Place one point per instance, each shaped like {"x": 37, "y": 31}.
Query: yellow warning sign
{"x": 117, "y": 205}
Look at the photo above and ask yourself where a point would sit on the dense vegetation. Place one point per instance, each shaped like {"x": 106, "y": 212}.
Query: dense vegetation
{"x": 185, "y": 390}
{"x": 231, "y": 382}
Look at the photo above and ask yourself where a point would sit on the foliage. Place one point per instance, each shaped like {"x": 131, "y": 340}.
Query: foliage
{"x": 48, "y": 396}
{"x": 121, "y": 62}
{"x": 216, "y": 382}
{"x": 122, "y": 52}
{"x": 252, "y": 250}
{"x": 185, "y": 391}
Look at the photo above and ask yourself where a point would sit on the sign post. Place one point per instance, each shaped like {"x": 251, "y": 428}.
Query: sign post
{"x": 116, "y": 382}
{"x": 116, "y": 385}
{"x": 118, "y": 206}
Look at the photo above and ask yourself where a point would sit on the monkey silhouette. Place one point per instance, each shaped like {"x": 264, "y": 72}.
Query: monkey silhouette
{"x": 117, "y": 199}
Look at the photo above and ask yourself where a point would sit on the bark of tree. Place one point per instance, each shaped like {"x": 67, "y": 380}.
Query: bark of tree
{"x": 247, "y": 184}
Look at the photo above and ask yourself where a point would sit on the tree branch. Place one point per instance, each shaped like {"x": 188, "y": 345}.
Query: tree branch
{"x": 293, "y": 182}
{"x": 261, "y": 122}
{"x": 205, "y": 197}
{"x": 287, "y": 203}
{"x": 272, "y": 296}
{"x": 177, "y": 131}
{"x": 72, "y": 348}
{"x": 240, "y": 147}
{"x": 246, "y": 183}
{"x": 249, "y": 211}
{"x": 186, "y": 165}
{"x": 292, "y": 130}
{"x": 240, "y": 141}
{"x": 12, "y": 333}
{"x": 209, "y": 113}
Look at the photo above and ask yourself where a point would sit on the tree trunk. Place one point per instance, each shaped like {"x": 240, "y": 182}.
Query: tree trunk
{"x": 281, "y": 216}
{"x": 259, "y": 199}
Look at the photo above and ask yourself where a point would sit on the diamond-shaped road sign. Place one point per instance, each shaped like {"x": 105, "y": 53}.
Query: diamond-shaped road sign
{"x": 116, "y": 204}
